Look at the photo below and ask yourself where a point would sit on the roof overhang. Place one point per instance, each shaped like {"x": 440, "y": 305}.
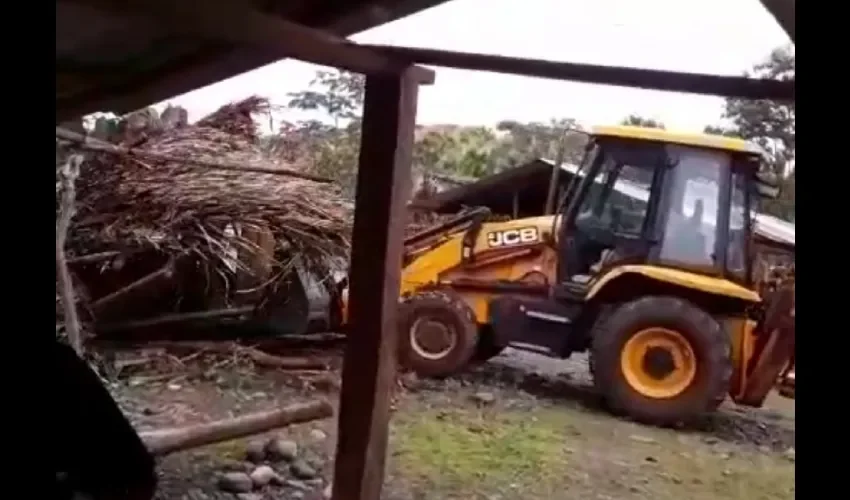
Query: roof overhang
{"x": 110, "y": 58}
{"x": 784, "y": 11}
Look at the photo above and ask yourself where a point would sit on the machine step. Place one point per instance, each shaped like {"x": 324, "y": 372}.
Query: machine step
{"x": 539, "y": 325}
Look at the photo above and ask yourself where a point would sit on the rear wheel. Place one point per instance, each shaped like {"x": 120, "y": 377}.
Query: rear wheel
{"x": 438, "y": 333}
{"x": 661, "y": 360}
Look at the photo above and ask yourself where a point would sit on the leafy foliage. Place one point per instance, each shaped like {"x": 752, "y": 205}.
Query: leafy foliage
{"x": 329, "y": 146}
{"x": 639, "y": 121}
{"x": 772, "y": 125}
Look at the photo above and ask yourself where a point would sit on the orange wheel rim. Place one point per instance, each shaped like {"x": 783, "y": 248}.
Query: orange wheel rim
{"x": 658, "y": 363}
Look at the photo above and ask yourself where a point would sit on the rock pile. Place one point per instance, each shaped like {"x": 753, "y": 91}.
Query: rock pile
{"x": 277, "y": 465}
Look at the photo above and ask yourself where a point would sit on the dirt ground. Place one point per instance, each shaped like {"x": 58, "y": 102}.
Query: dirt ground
{"x": 519, "y": 427}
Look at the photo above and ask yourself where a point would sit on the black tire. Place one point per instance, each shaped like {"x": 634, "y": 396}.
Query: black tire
{"x": 447, "y": 310}
{"x": 710, "y": 344}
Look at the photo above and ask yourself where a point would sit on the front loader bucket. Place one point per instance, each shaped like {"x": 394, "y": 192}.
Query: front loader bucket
{"x": 774, "y": 350}
{"x": 284, "y": 310}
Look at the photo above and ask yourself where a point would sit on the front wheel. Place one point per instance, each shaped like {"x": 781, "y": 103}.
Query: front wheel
{"x": 661, "y": 360}
{"x": 438, "y": 334}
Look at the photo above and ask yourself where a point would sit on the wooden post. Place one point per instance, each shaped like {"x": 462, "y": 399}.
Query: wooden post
{"x": 369, "y": 366}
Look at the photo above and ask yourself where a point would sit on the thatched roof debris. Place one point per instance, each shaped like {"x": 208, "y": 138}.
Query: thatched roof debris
{"x": 154, "y": 189}
{"x": 152, "y": 197}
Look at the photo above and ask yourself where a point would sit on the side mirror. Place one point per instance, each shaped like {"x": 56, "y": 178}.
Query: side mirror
{"x": 767, "y": 184}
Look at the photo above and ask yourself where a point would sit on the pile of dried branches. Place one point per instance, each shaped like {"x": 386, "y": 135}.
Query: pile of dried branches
{"x": 129, "y": 202}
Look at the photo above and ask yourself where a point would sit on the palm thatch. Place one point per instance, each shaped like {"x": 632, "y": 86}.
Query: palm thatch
{"x": 129, "y": 205}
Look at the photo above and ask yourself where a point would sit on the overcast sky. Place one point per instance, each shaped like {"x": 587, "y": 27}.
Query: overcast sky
{"x": 722, "y": 37}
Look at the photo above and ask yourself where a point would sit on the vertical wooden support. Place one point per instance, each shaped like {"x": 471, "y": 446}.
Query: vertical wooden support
{"x": 369, "y": 366}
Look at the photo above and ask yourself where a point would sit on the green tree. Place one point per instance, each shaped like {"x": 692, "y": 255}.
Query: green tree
{"x": 329, "y": 144}
{"x": 639, "y": 121}
{"x": 521, "y": 142}
{"x": 718, "y": 130}
{"x": 337, "y": 94}
{"x": 464, "y": 151}
{"x": 328, "y": 149}
{"x": 771, "y": 125}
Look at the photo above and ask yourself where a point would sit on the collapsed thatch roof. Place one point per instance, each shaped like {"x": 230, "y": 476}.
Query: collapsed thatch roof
{"x": 126, "y": 204}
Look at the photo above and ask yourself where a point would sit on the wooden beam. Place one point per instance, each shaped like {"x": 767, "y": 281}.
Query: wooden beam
{"x": 369, "y": 366}
{"x": 237, "y": 22}
{"x": 166, "y": 441}
{"x": 674, "y": 81}
{"x": 785, "y": 13}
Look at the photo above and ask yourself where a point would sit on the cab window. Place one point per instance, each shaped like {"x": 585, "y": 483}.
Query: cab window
{"x": 615, "y": 202}
{"x": 736, "y": 252}
{"x": 690, "y": 232}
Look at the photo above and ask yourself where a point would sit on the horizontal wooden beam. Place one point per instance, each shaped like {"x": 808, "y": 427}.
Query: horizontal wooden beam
{"x": 674, "y": 81}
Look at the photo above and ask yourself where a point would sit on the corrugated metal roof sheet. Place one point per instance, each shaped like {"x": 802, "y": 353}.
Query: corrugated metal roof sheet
{"x": 775, "y": 229}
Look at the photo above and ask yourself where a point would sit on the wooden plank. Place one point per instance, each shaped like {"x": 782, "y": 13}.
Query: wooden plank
{"x": 369, "y": 366}
{"x": 166, "y": 441}
{"x": 674, "y": 81}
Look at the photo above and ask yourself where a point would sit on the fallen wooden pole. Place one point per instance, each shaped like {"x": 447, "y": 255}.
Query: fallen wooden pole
{"x": 131, "y": 291}
{"x": 163, "y": 442}
{"x": 93, "y": 257}
{"x": 257, "y": 356}
{"x": 170, "y": 319}
{"x": 82, "y": 142}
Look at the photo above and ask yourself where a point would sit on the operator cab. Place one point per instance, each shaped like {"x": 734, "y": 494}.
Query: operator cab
{"x": 649, "y": 196}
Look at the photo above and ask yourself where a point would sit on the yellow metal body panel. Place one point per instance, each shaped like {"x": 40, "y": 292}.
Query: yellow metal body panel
{"x": 743, "y": 343}
{"x": 441, "y": 263}
{"x": 687, "y": 279}
{"x": 661, "y": 135}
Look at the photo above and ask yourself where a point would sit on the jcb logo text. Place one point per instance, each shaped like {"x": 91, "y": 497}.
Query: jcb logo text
{"x": 512, "y": 237}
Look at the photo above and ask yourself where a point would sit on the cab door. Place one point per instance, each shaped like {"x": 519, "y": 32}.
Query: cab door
{"x": 609, "y": 221}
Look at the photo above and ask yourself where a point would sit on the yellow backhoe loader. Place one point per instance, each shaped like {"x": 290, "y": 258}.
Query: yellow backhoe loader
{"x": 647, "y": 264}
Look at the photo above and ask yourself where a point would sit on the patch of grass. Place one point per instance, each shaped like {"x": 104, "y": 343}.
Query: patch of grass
{"x": 706, "y": 475}
{"x": 557, "y": 453}
{"x": 626, "y": 461}
{"x": 459, "y": 453}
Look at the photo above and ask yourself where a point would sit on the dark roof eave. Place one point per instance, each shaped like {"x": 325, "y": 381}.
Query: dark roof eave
{"x": 208, "y": 66}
